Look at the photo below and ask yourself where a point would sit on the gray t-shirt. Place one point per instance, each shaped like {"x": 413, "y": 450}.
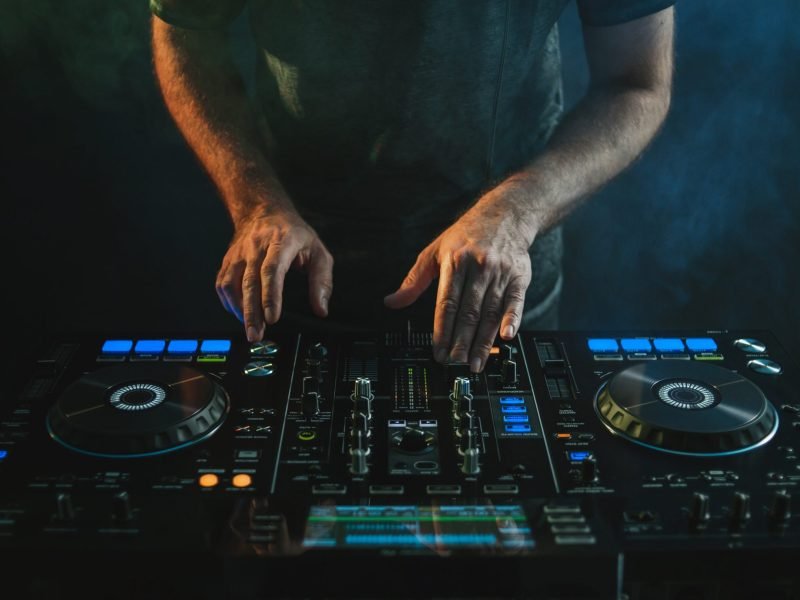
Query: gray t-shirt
{"x": 389, "y": 118}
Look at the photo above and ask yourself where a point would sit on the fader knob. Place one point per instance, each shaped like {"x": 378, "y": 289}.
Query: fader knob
{"x": 310, "y": 404}
{"x": 121, "y": 503}
{"x": 65, "y": 511}
{"x": 740, "y": 509}
{"x": 699, "y": 510}
{"x": 781, "y": 509}
{"x": 358, "y": 454}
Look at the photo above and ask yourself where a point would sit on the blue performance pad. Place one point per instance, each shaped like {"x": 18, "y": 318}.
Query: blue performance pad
{"x": 598, "y": 345}
{"x": 3, "y": 454}
{"x": 636, "y": 345}
{"x": 150, "y": 346}
{"x": 182, "y": 347}
{"x": 701, "y": 344}
{"x": 669, "y": 345}
{"x": 215, "y": 346}
{"x": 117, "y": 346}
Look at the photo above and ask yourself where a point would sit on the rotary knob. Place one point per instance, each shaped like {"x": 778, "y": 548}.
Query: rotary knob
{"x": 468, "y": 441}
{"x": 508, "y": 368}
{"x": 699, "y": 510}
{"x": 359, "y": 450}
{"x": 461, "y": 398}
{"x": 121, "y": 507}
{"x": 781, "y": 509}
{"x": 362, "y": 398}
{"x": 740, "y": 509}
{"x": 65, "y": 510}
{"x": 471, "y": 464}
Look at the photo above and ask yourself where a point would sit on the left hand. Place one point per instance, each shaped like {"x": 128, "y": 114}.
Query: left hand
{"x": 484, "y": 269}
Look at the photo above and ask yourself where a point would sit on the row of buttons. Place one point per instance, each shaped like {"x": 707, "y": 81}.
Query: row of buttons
{"x": 212, "y": 350}
{"x": 644, "y": 345}
{"x": 496, "y": 489}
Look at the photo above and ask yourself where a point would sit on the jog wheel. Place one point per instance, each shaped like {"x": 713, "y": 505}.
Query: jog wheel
{"x": 137, "y": 410}
{"x": 686, "y": 408}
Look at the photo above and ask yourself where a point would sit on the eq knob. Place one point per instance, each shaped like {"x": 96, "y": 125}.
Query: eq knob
{"x": 740, "y": 509}
{"x": 310, "y": 404}
{"x": 461, "y": 398}
{"x": 362, "y": 398}
{"x": 508, "y": 368}
{"x": 780, "y": 510}
{"x": 699, "y": 510}
{"x": 471, "y": 464}
{"x": 468, "y": 441}
{"x": 466, "y": 422}
{"x": 359, "y": 450}
{"x": 317, "y": 351}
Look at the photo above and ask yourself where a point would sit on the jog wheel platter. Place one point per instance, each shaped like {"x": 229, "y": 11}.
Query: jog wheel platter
{"x": 686, "y": 408}
{"x": 136, "y": 410}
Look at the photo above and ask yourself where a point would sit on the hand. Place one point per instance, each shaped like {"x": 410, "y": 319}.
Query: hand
{"x": 250, "y": 280}
{"x": 484, "y": 269}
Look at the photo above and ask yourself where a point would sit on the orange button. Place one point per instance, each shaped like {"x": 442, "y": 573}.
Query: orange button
{"x": 208, "y": 480}
{"x": 495, "y": 350}
{"x": 241, "y": 480}
{"x": 563, "y": 436}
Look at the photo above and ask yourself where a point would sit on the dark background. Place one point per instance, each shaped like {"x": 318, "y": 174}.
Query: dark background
{"x": 111, "y": 225}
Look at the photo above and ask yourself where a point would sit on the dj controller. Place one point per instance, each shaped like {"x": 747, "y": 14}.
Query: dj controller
{"x": 577, "y": 465}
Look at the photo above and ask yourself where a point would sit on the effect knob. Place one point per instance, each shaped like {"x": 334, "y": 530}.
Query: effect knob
{"x": 508, "y": 368}
{"x": 468, "y": 441}
{"x": 781, "y": 509}
{"x": 121, "y": 506}
{"x": 740, "y": 509}
{"x": 466, "y": 423}
{"x": 699, "y": 510}
{"x": 317, "y": 351}
{"x": 65, "y": 511}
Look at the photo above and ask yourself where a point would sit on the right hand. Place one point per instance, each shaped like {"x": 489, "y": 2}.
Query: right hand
{"x": 250, "y": 280}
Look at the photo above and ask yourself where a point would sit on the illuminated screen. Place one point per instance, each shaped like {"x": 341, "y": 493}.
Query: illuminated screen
{"x": 419, "y": 528}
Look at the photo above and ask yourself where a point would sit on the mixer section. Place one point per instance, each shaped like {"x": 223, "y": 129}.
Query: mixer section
{"x": 377, "y": 416}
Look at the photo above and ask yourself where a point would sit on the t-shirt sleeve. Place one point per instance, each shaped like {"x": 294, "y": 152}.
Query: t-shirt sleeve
{"x": 602, "y": 13}
{"x": 197, "y": 14}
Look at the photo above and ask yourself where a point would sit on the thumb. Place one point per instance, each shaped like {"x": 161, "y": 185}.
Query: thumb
{"x": 417, "y": 281}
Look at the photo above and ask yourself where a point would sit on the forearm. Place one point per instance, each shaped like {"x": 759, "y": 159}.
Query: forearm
{"x": 206, "y": 97}
{"x": 597, "y": 140}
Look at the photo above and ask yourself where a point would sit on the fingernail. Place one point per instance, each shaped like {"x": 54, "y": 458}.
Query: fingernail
{"x": 475, "y": 365}
{"x": 324, "y": 303}
{"x": 252, "y": 334}
{"x": 508, "y": 331}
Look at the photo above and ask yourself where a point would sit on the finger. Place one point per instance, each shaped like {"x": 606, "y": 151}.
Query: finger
{"x": 251, "y": 300}
{"x": 231, "y": 286}
{"x": 448, "y": 299}
{"x": 218, "y": 288}
{"x": 416, "y": 282}
{"x": 320, "y": 280}
{"x": 514, "y": 303}
{"x": 469, "y": 313}
{"x": 273, "y": 272}
{"x": 491, "y": 314}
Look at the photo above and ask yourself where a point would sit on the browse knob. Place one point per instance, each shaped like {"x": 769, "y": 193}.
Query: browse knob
{"x": 699, "y": 510}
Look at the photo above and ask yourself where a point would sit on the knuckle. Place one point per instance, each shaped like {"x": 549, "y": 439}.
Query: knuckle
{"x": 469, "y": 315}
{"x": 448, "y": 305}
{"x": 492, "y": 313}
{"x": 482, "y": 347}
{"x": 227, "y": 286}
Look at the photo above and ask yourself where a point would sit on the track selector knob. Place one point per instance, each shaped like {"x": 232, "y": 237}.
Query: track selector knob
{"x": 781, "y": 509}
{"x": 699, "y": 510}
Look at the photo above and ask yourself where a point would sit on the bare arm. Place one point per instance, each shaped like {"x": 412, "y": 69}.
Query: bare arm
{"x": 205, "y": 95}
{"x": 482, "y": 260}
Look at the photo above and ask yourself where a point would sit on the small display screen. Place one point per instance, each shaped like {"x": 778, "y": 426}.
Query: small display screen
{"x": 433, "y": 529}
